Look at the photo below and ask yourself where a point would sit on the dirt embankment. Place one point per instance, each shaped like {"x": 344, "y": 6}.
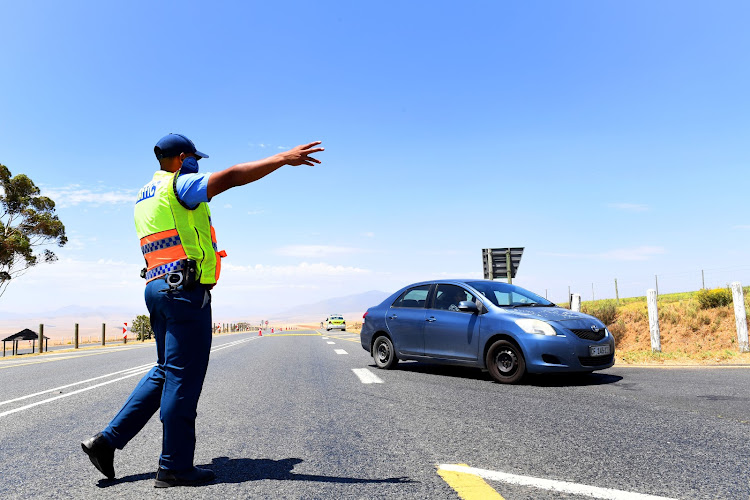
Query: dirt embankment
{"x": 689, "y": 334}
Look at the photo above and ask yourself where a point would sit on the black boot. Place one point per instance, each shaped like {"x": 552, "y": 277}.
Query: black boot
{"x": 101, "y": 454}
{"x": 190, "y": 477}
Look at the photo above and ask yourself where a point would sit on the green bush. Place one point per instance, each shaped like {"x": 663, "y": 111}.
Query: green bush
{"x": 719, "y": 297}
{"x": 604, "y": 310}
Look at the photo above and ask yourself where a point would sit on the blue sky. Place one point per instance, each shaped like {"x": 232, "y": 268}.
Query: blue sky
{"x": 610, "y": 139}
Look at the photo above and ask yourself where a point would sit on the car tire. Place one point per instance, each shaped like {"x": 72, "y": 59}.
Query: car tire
{"x": 383, "y": 353}
{"x": 505, "y": 362}
{"x": 343, "y": 329}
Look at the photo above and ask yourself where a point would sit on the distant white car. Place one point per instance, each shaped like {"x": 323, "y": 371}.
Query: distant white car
{"x": 335, "y": 321}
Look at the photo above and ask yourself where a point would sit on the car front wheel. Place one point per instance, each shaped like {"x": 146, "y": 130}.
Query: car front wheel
{"x": 505, "y": 362}
{"x": 383, "y": 353}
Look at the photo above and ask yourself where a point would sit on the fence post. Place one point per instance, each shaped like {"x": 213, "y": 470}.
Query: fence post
{"x": 104, "y": 327}
{"x": 75, "y": 338}
{"x": 653, "y": 320}
{"x": 617, "y": 292}
{"x": 740, "y": 317}
{"x": 575, "y": 302}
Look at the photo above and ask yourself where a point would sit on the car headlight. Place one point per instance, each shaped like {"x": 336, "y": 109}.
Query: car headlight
{"x": 536, "y": 326}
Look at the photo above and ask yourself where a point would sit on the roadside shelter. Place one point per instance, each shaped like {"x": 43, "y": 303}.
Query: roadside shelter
{"x": 24, "y": 334}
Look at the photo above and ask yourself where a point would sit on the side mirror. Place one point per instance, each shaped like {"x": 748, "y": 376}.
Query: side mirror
{"x": 468, "y": 306}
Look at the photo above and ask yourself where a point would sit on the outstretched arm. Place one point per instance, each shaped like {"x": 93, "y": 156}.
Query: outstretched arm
{"x": 245, "y": 173}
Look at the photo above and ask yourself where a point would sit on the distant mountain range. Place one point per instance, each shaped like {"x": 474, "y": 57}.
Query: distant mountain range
{"x": 318, "y": 311}
{"x": 74, "y": 312}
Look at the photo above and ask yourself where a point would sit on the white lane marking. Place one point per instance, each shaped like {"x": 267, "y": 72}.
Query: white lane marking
{"x": 366, "y": 376}
{"x": 552, "y": 485}
{"x": 136, "y": 368}
{"x": 131, "y": 372}
{"x": 49, "y": 400}
{"x": 340, "y": 351}
{"x": 325, "y": 338}
{"x": 231, "y": 344}
{"x": 331, "y": 343}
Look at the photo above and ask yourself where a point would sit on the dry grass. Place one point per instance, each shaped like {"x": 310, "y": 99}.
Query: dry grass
{"x": 688, "y": 333}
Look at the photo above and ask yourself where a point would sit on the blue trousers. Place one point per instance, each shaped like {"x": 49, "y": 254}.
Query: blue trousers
{"x": 181, "y": 321}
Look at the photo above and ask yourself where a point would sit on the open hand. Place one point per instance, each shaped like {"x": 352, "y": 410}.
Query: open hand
{"x": 300, "y": 155}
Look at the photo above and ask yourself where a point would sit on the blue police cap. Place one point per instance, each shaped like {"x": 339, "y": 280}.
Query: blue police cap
{"x": 174, "y": 144}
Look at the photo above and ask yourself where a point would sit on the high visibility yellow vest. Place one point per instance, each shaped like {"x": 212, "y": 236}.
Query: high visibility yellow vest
{"x": 171, "y": 233}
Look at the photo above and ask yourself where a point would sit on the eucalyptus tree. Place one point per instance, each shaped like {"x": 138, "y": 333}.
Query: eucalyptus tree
{"x": 28, "y": 225}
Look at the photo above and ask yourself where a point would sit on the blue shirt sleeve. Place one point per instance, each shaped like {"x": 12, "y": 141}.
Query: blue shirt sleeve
{"x": 192, "y": 189}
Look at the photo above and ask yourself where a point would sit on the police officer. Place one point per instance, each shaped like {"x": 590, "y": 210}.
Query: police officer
{"x": 183, "y": 263}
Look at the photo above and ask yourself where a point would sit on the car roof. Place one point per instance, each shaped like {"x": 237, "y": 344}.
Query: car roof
{"x": 455, "y": 280}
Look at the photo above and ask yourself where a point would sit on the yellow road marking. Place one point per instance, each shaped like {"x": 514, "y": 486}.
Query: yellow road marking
{"x": 350, "y": 340}
{"x": 468, "y": 486}
{"x": 62, "y": 358}
{"x": 71, "y": 353}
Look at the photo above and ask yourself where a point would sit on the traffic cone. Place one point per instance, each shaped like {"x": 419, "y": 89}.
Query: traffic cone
{"x": 260, "y": 333}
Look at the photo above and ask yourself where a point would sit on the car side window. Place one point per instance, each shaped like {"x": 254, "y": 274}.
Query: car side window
{"x": 447, "y": 297}
{"x": 413, "y": 297}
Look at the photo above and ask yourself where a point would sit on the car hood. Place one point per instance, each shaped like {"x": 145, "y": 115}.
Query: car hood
{"x": 552, "y": 314}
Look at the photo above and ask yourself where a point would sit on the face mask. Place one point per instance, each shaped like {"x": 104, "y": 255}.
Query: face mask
{"x": 189, "y": 166}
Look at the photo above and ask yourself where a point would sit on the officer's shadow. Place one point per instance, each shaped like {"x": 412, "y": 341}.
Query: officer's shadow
{"x": 240, "y": 470}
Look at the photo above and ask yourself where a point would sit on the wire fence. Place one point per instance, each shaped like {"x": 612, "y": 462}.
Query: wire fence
{"x": 632, "y": 286}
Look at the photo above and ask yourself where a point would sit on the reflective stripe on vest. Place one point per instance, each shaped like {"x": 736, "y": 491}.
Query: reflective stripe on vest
{"x": 162, "y": 250}
{"x": 170, "y": 233}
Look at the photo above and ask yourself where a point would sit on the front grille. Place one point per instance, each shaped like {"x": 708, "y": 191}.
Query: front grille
{"x": 595, "y": 360}
{"x": 589, "y": 334}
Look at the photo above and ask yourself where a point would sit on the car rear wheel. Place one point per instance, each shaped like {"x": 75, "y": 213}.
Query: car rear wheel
{"x": 505, "y": 362}
{"x": 383, "y": 353}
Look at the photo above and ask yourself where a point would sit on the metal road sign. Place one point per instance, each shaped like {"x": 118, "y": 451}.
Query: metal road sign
{"x": 496, "y": 262}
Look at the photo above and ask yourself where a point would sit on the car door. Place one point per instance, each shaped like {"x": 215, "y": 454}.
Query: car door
{"x": 406, "y": 320}
{"x": 450, "y": 333}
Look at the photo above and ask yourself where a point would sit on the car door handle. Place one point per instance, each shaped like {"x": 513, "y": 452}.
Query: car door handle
{"x": 431, "y": 319}
{"x": 393, "y": 317}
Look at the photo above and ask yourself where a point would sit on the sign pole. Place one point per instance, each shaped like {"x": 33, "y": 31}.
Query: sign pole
{"x": 489, "y": 264}
{"x": 508, "y": 266}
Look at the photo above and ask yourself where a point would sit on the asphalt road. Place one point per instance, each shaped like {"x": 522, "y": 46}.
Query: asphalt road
{"x": 286, "y": 416}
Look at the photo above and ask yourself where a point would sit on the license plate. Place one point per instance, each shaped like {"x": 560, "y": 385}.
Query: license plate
{"x": 598, "y": 350}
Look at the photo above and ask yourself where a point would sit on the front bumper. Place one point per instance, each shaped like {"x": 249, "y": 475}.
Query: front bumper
{"x": 566, "y": 353}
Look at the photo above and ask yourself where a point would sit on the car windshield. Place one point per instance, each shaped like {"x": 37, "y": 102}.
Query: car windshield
{"x": 506, "y": 295}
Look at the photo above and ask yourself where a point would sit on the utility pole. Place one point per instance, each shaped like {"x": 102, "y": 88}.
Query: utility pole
{"x": 617, "y": 293}
{"x": 657, "y": 284}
